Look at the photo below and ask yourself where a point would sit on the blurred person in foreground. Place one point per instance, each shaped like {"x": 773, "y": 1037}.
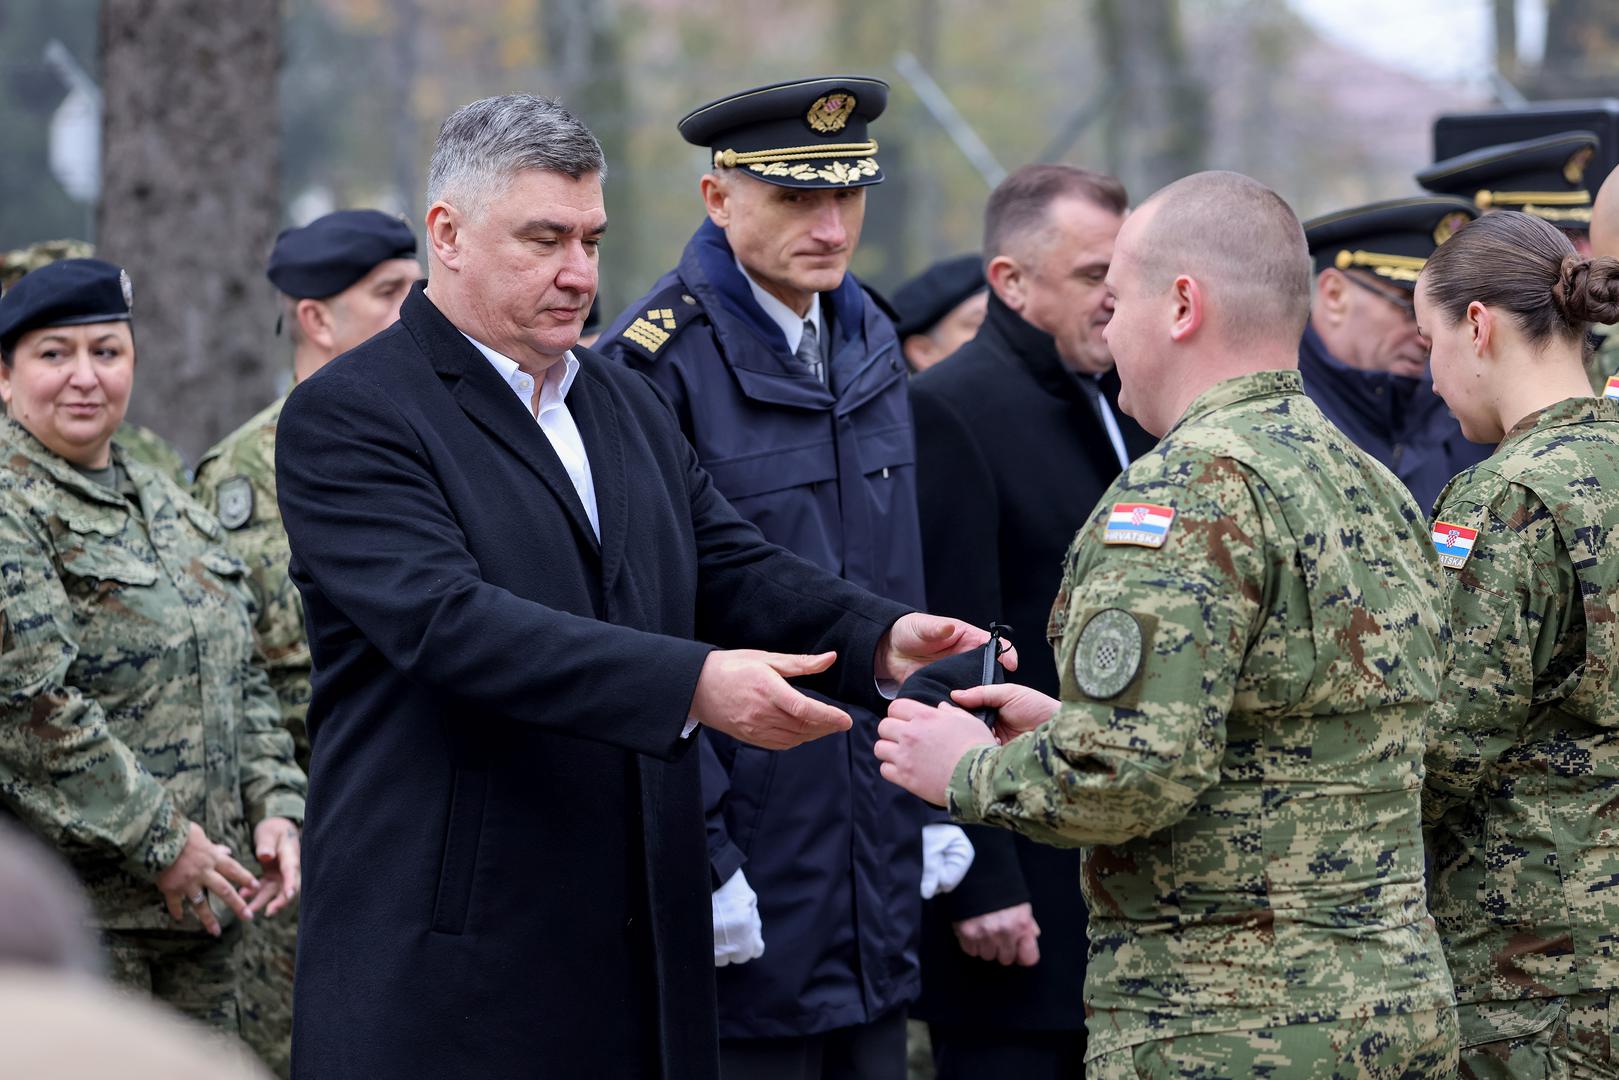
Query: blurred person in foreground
{"x": 341, "y": 278}
{"x": 141, "y": 443}
{"x": 1248, "y": 642}
{"x": 141, "y": 741}
{"x": 512, "y": 566}
{"x": 939, "y": 310}
{"x": 1602, "y": 362}
{"x": 1362, "y": 359}
{"x": 1018, "y": 434}
{"x": 1523, "y": 765}
{"x": 786, "y": 378}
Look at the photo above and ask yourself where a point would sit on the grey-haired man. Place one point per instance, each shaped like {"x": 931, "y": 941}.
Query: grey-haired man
{"x": 510, "y": 564}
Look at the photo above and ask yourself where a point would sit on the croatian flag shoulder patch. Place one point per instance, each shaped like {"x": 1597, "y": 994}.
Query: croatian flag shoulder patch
{"x": 1612, "y": 389}
{"x": 1141, "y": 524}
{"x": 1454, "y": 543}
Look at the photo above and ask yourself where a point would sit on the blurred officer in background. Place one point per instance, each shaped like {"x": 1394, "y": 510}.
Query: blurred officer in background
{"x": 1542, "y": 177}
{"x": 940, "y": 309}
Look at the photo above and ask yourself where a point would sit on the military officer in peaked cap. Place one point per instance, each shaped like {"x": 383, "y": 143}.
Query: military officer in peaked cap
{"x": 342, "y": 278}
{"x": 1362, "y": 359}
{"x": 1544, "y": 177}
{"x": 788, "y": 379}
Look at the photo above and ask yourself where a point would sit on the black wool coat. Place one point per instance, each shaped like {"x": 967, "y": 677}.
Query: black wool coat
{"x": 505, "y": 871}
{"x": 1011, "y": 459}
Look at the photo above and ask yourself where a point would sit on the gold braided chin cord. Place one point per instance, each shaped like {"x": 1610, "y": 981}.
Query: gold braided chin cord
{"x": 730, "y": 159}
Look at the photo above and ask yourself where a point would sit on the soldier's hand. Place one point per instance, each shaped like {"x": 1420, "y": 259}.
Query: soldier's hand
{"x": 744, "y": 693}
{"x": 205, "y": 867}
{"x": 1017, "y": 708}
{"x": 275, "y": 840}
{"x": 917, "y": 640}
{"x": 920, "y": 745}
{"x": 1009, "y": 936}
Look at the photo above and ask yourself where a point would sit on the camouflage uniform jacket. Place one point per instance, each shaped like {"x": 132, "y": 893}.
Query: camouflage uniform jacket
{"x": 236, "y": 480}
{"x": 130, "y": 702}
{"x": 148, "y": 447}
{"x": 1603, "y": 363}
{"x": 1522, "y": 793}
{"x": 1241, "y": 732}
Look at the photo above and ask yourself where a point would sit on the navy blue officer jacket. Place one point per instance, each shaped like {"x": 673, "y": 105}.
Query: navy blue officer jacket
{"x": 832, "y": 849}
{"x": 1397, "y": 419}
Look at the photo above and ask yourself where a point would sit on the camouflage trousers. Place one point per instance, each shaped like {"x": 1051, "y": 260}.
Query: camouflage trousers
{"x": 197, "y": 975}
{"x": 268, "y": 950}
{"x": 1408, "y": 1046}
{"x": 1575, "y": 1036}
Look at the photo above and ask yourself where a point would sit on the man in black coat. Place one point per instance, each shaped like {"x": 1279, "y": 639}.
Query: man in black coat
{"x": 511, "y": 564}
{"x": 1018, "y": 434}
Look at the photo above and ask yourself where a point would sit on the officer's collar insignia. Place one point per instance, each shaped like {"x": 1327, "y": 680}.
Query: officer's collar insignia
{"x": 830, "y": 112}
{"x": 1141, "y": 524}
{"x": 1454, "y": 543}
{"x": 1612, "y": 389}
{"x": 651, "y": 330}
{"x": 1108, "y": 653}
{"x": 233, "y": 504}
{"x": 1448, "y": 225}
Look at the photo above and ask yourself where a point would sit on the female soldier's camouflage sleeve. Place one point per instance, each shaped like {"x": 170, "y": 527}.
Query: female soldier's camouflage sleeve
{"x": 1114, "y": 764}
{"x": 62, "y": 771}
{"x": 272, "y": 785}
{"x": 1505, "y": 625}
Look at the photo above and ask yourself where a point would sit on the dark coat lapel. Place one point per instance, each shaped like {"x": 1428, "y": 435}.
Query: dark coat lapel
{"x": 491, "y": 404}
{"x": 600, "y": 426}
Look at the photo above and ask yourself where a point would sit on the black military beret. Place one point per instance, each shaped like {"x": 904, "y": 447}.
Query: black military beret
{"x": 71, "y": 292}
{"x": 1392, "y": 239}
{"x": 333, "y": 252}
{"x": 805, "y": 134}
{"x": 1544, "y": 177}
{"x": 935, "y": 292}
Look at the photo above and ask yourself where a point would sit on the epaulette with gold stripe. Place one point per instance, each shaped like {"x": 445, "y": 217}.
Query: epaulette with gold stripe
{"x": 666, "y": 314}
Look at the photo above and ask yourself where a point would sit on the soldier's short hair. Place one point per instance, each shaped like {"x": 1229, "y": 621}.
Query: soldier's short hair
{"x": 1242, "y": 243}
{"x": 1018, "y": 206}
{"x": 482, "y": 146}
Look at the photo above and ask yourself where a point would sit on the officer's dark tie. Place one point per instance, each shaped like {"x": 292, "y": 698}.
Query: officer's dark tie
{"x": 809, "y": 352}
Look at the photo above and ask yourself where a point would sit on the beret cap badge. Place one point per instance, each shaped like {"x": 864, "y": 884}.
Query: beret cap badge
{"x": 830, "y": 112}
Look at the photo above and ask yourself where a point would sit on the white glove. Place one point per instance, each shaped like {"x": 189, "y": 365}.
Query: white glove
{"x": 947, "y": 854}
{"x": 738, "y": 935}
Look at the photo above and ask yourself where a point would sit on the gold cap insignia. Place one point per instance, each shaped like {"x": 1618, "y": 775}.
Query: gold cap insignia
{"x": 830, "y": 112}
{"x": 1574, "y": 168}
{"x": 1448, "y": 225}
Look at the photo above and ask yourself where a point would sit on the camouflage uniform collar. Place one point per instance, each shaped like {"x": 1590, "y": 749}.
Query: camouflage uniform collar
{"x": 20, "y": 438}
{"x": 1575, "y": 410}
{"x": 1233, "y": 391}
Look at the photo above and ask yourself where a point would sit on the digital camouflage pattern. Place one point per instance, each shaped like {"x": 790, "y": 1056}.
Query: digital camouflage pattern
{"x": 236, "y": 480}
{"x": 1251, "y": 796}
{"x": 242, "y": 469}
{"x": 1522, "y": 796}
{"x": 1573, "y": 1036}
{"x": 19, "y": 261}
{"x": 1401, "y": 1046}
{"x": 129, "y": 703}
{"x": 195, "y": 974}
{"x": 149, "y": 448}
{"x": 1603, "y": 363}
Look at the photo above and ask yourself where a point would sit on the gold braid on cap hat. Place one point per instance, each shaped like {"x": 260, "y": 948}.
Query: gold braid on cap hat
{"x": 730, "y": 159}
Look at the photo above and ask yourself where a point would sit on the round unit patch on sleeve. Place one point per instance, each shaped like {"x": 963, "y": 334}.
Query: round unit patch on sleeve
{"x": 233, "y": 504}
{"x": 1108, "y": 653}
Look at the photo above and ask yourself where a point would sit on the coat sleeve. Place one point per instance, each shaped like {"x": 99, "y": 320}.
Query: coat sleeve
{"x": 1505, "y": 629}
{"x": 372, "y": 533}
{"x": 959, "y": 509}
{"x": 62, "y": 770}
{"x": 1106, "y": 771}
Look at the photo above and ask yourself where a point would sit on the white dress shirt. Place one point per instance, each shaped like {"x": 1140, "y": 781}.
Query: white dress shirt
{"x": 790, "y": 321}
{"x": 1115, "y": 436}
{"x": 553, "y": 417}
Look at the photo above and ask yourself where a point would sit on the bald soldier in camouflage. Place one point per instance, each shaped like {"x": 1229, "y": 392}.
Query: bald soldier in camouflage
{"x": 341, "y": 278}
{"x": 1248, "y": 644}
{"x": 1523, "y": 763}
{"x": 140, "y": 443}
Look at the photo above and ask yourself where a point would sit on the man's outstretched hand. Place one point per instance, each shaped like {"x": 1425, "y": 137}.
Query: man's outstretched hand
{"x": 744, "y": 693}
{"x": 917, "y": 640}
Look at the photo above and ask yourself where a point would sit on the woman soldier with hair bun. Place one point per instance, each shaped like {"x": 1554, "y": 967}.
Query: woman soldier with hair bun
{"x": 1522, "y": 795}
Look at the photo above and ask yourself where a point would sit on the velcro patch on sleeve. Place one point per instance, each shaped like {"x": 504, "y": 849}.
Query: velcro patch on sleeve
{"x": 1141, "y": 524}
{"x": 1454, "y": 543}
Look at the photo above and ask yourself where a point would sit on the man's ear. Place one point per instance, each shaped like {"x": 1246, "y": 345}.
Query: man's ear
{"x": 1186, "y": 299}
{"x": 316, "y": 323}
{"x": 5, "y": 383}
{"x": 444, "y": 224}
{"x": 716, "y": 199}
{"x": 1009, "y": 280}
{"x": 1331, "y": 296}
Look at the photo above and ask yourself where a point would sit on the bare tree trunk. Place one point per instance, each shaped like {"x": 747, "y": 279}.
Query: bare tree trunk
{"x": 191, "y": 142}
{"x": 1506, "y": 38}
{"x": 1582, "y": 49}
{"x": 586, "y": 65}
{"x": 407, "y": 151}
{"x": 1157, "y": 130}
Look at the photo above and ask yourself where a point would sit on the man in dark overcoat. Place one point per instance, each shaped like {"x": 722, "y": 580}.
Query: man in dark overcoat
{"x": 523, "y": 595}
